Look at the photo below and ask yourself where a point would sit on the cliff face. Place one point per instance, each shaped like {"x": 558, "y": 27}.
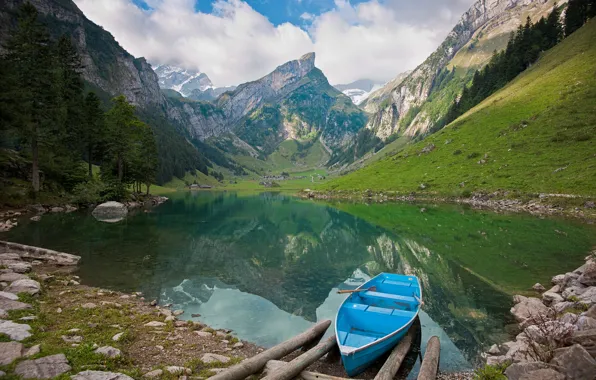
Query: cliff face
{"x": 487, "y": 21}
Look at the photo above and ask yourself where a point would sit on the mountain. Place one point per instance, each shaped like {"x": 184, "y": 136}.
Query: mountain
{"x": 412, "y": 105}
{"x": 181, "y": 80}
{"x": 536, "y": 135}
{"x": 359, "y": 90}
{"x": 209, "y": 94}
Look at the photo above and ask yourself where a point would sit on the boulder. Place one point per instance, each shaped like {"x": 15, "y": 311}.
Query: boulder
{"x": 15, "y": 331}
{"x": 551, "y": 298}
{"x": 214, "y": 358}
{"x": 117, "y": 337}
{"x": 543, "y": 374}
{"x": 3, "y": 314}
{"x": 587, "y": 339}
{"x": 89, "y": 305}
{"x": 555, "y": 289}
{"x": 591, "y": 312}
{"x": 538, "y": 287}
{"x": 573, "y": 291}
{"x": 10, "y": 277}
{"x": 9, "y": 352}
{"x": 589, "y": 296}
{"x": 33, "y": 350}
{"x": 528, "y": 307}
{"x": 558, "y": 279}
{"x": 569, "y": 318}
{"x": 517, "y": 370}
{"x": 109, "y": 351}
{"x": 588, "y": 277}
{"x": 562, "y": 306}
{"x": 43, "y": 368}
{"x": 575, "y": 362}
{"x": 24, "y": 286}
{"x": 99, "y": 375}
{"x": 153, "y": 374}
{"x": 10, "y": 256}
{"x": 10, "y": 296}
{"x": 110, "y": 211}
{"x": 548, "y": 331}
{"x": 497, "y": 360}
{"x": 585, "y": 323}
{"x": 204, "y": 334}
{"x": 21, "y": 267}
{"x": 155, "y": 324}
{"x": 176, "y": 370}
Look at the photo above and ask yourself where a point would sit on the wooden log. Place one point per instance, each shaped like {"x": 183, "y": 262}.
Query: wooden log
{"x": 272, "y": 365}
{"x": 333, "y": 356}
{"x": 393, "y": 362}
{"x": 293, "y": 368}
{"x": 430, "y": 363}
{"x": 256, "y": 363}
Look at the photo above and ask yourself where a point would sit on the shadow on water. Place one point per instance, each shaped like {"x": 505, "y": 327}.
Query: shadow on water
{"x": 268, "y": 266}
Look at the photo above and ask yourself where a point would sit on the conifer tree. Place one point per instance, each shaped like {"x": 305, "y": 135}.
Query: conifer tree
{"x": 576, "y": 15}
{"x": 120, "y": 124}
{"x": 553, "y": 32}
{"x": 92, "y": 127}
{"x": 29, "y": 56}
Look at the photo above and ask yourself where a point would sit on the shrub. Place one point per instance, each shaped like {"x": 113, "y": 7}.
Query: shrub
{"x": 88, "y": 192}
{"x": 490, "y": 372}
{"x": 457, "y": 152}
{"x": 473, "y": 155}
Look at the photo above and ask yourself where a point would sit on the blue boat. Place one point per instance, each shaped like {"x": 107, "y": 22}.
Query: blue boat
{"x": 375, "y": 317}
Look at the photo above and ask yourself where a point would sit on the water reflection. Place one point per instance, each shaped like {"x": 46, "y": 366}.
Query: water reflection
{"x": 269, "y": 266}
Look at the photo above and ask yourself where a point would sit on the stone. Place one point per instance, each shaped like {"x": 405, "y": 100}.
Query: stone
{"x": 591, "y": 312}
{"x": 100, "y": 375}
{"x": 28, "y": 318}
{"x": 555, "y": 289}
{"x": 214, "y": 358}
{"x": 176, "y": 370}
{"x": 538, "y": 287}
{"x": 117, "y": 337}
{"x": 238, "y": 345}
{"x": 109, "y": 351}
{"x": 562, "y": 306}
{"x": 3, "y": 314}
{"x": 20, "y": 267}
{"x": 2, "y": 374}
{"x": 588, "y": 277}
{"x": 543, "y": 374}
{"x": 7, "y": 305}
{"x": 177, "y": 312}
{"x": 155, "y": 324}
{"x": 551, "y": 298}
{"x": 550, "y": 331}
{"x": 204, "y": 334}
{"x": 528, "y": 307}
{"x": 43, "y": 368}
{"x": 585, "y": 323}
{"x": 36, "y": 218}
{"x": 10, "y": 256}
{"x": 573, "y": 291}
{"x": 57, "y": 209}
{"x": 575, "y": 362}
{"x": 558, "y": 279}
{"x": 171, "y": 318}
{"x": 569, "y": 318}
{"x": 220, "y": 334}
{"x": 153, "y": 374}
{"x": 10, "y": 277}
{"x": 153, "y": 303}
{"x": 9, "y": 352}
{"x": 589, "y": 296}
{"x": 72, "y": 339}
{"x": 180, "y": 323}
{"x": 89, "y": 305}
{"x": 110, "y": 210}
{"x": 24, "y": 286}
{"x": 33, "y": 350}
{"x": 10, "y": 296}
{"x": 15, "y": 331}
{"x": 517, "y": 370}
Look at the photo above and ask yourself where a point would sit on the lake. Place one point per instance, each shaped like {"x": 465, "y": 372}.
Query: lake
{"x": 268, "y": 266}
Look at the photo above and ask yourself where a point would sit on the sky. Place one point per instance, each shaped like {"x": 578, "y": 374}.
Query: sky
{"x": 235, "y": 41}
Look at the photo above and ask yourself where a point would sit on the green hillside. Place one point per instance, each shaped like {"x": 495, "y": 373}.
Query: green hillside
{"x": 535, "y": 135}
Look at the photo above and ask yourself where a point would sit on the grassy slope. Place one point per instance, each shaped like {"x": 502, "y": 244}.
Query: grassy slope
{"x": 542, "y": 121}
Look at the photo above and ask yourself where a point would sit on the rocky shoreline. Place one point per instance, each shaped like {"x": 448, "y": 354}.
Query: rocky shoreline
{"x": 499, "y": 201}
{"x": 557, "y": 338}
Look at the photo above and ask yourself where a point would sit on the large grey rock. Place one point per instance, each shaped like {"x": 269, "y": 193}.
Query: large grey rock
{"x": 10, "y": 296}
{"x": 562, "y": 306}
{"x": 575, "y": 363}
{"x": 589, "y": 296}
{"x": 551, "y": 298}
{"x": 517, "y": 370}
{"x": 24, "y": 286}
{"x": 153, "y": 374}
{"x": 543, "y": 374}
{"x": 591, "y": 312}
{"x": 587, "y": 339}
{"x": 573, "y": 291}
{"x": 10, "y": 277}
{"x": 110, "y": 210}
{"x": 155, "y": 324}
{"x": 21, "y": 267}
{"x": 99, "y": 375}
{"x": 585, "y": 323}
{"x": 109, "y": 351}
{"x": 10, "y": 256}
{"x": 538, "y": 287}
{"x": 569, "y": 318}
{"x": 15, "y": 331}
{"x": 214, "y": 358}
{"x": 558, "y": 279}
{"x": 9, "y": 352}
{"x": 43, "y": 368}
{"x": 550, "y": 331}
{"x": 588, "y": 277}
{"x": 7, "y": 305}
{"x": 528, "y": 307}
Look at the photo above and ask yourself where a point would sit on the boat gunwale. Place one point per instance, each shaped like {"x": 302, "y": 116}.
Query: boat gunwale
{"x": 388, "y": 336}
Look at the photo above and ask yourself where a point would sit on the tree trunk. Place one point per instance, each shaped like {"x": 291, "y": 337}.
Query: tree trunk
{"x": 430, "y": 363}
{"x": 35, "y": 158}
{"x": 148, "y": 184}
{"x": 397, "y": 356}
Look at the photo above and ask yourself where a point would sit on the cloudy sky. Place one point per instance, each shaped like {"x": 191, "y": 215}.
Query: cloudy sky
{"x": 235, "y": 41}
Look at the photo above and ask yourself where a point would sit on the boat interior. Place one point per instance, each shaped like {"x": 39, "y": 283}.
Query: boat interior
{"x": 372, "y": 314}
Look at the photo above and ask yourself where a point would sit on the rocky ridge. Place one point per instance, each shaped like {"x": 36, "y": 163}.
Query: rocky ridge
{"x": 404, "y": 97}
{"x": 558, "y": 330}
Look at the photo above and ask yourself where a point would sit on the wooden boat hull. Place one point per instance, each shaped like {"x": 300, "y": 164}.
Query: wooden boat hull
{"x": 370, "y": 323}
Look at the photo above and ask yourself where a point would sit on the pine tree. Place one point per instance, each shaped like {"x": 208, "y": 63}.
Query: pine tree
{"x": 92, "y": 127}
{"x": 576, "y": 15}
{"x": 553, "y": 31}
{"x": 145, "y": 163}
{"x": 30, "y": 58}
{"x": 591, "y": 8}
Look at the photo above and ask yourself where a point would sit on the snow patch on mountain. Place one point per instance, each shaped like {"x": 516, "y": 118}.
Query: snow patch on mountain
{"x": 182, "y": 80}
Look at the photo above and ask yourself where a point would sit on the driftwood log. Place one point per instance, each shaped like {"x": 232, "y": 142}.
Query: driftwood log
{"x": 258, "y": 362}
{"x": 430, "y": 363}
{"x": 272, "y": 365}
{"x": 393, "y": 362}
{"x": 293, "y": 368}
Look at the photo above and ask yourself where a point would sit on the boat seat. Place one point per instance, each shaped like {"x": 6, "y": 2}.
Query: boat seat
{"x": 395, "y": 297}
{"x": 380, "y": 310}
{"x": 398, "y": 283}
{"x": 358, "y": 340}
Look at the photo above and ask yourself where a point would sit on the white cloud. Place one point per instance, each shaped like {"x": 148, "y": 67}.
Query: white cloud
{"x": 236, "y": 44}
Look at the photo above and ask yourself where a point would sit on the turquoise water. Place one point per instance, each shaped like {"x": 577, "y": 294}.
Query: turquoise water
{"x": 268, "y": 266}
